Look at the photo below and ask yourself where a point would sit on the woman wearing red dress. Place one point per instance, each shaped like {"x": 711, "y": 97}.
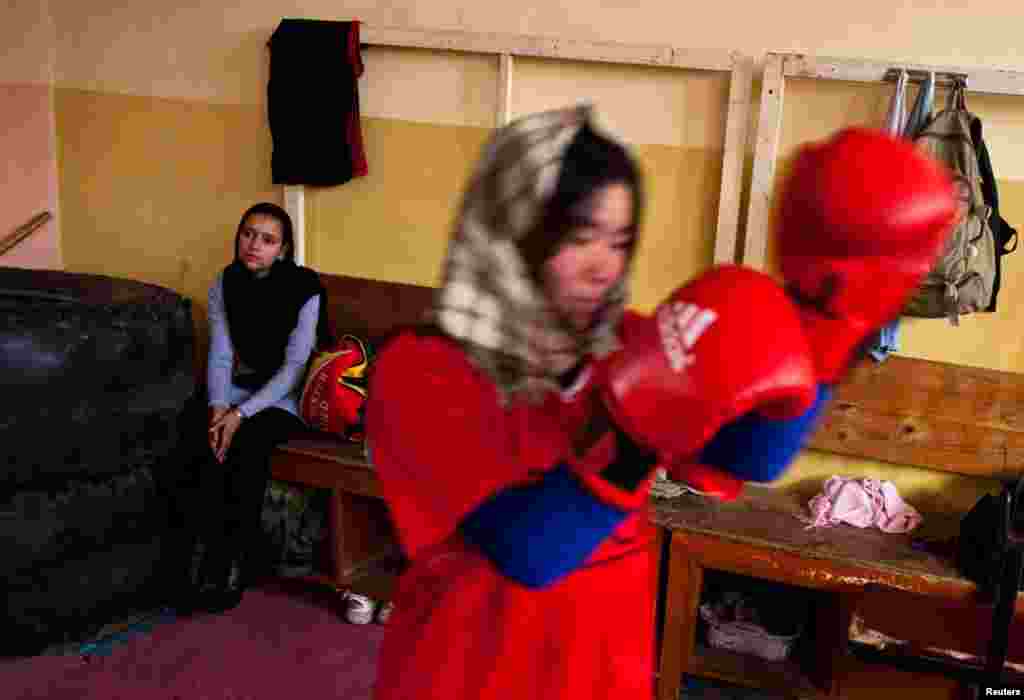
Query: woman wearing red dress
{"x": 530, "y": 554}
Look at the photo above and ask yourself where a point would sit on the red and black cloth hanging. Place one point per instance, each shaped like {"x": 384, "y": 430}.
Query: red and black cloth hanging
{"x": 313, "y": 103}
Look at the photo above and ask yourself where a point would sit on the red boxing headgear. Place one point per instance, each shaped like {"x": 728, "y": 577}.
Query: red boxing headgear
{"x": 861, "y": 219}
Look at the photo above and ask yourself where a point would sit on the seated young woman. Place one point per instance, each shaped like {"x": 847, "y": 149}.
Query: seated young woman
{"x": 266, "y": 315}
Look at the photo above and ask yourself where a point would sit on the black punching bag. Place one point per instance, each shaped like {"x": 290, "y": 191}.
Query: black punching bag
{"x": 95, "y": 373}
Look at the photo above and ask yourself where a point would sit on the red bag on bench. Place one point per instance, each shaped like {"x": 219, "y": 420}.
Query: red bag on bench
{"x": 335, "y": 391}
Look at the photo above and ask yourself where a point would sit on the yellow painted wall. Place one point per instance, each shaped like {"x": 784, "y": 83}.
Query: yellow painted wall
{"x": 154, "y": 187}
{"x": 162, "y": 137}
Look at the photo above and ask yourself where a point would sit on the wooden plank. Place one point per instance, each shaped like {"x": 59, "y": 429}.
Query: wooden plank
{"x": 992, "y": 81}
{"x": 504, "y": 89}
{"x": 735, "y": 149}
{"x": 924, "y": 621}
{"x": 975, "y": 395}
{"x": 934, "y": 415}
{"x": 762, "y": 534}
{"x": 766, "y": 149}
{"x": 747, "y": 670}
{"x": 311, "y": 469}
{"x": 549, "y": 47}
{"x": 858, "y": 679}
{"x": 328, "y": 448}
{"x": 750, "y": 557}
{"x": 899, "y": 440}
{"x": 295, "y": 205}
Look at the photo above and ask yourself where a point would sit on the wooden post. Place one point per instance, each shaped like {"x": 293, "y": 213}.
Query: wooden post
{"x": 734, "y": 151}
{"x": 769, "y": 123}
{"x": 295, "y": 205}
{"x": 504, "y": 89}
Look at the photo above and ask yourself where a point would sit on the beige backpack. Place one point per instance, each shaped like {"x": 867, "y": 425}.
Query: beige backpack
{"x": 963, "y": 278}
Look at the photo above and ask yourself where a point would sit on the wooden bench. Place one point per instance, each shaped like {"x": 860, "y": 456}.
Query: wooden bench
{"x": 364, "y": 552}
{"x": 926, "y": 414}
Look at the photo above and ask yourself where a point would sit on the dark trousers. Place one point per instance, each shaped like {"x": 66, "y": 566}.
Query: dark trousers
{"x": 219, "y": 504}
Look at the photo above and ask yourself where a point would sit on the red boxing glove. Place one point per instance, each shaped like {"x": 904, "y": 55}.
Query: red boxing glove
{"x": 861, "y": 219}
{"x": 724, "y": 344}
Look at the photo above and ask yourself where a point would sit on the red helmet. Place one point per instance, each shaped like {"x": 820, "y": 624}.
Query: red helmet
{"x": 335, "y": 392}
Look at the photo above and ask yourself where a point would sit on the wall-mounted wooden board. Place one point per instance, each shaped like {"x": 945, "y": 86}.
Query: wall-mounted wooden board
{"x": 929, "y": 414}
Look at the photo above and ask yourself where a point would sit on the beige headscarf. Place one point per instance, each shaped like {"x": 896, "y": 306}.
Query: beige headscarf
{"x": 488, "y": 300}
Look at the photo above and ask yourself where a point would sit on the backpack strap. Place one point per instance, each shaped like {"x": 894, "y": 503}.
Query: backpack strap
{"x": 988, "y": 180}
{"x": 951, "y": 103}
{"x": 1003, "y": 233}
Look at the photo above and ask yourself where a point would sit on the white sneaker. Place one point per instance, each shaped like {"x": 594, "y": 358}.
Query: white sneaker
{"x": 384, "y": 612}
{"x": 358, "y": 609}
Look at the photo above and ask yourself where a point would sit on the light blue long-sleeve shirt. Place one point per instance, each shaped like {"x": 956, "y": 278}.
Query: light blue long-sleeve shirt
{"x": 283, "y": 389}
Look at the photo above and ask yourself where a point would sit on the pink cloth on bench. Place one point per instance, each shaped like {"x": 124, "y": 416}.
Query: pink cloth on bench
{"x": 862, "y": 503}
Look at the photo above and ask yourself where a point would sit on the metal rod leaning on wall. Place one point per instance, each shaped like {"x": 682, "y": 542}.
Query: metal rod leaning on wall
{"x": 24, "y": 231}
{"x": 778, "y": 66}
{"x": 942, "y": 78}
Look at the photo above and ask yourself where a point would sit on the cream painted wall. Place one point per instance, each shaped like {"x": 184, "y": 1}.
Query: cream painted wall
{"x": 29, "y": 41}
{"x": 28, "y": 173}
{"x": 208, "y": 50}
{"x": 28, "y": 169}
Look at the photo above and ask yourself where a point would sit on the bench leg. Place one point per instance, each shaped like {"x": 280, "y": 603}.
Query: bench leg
{"x": 360, "y": 535}
{"x": 336, "y": 534}
{"x": 828, "y": 664}
{"x": 679, "y": 630}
